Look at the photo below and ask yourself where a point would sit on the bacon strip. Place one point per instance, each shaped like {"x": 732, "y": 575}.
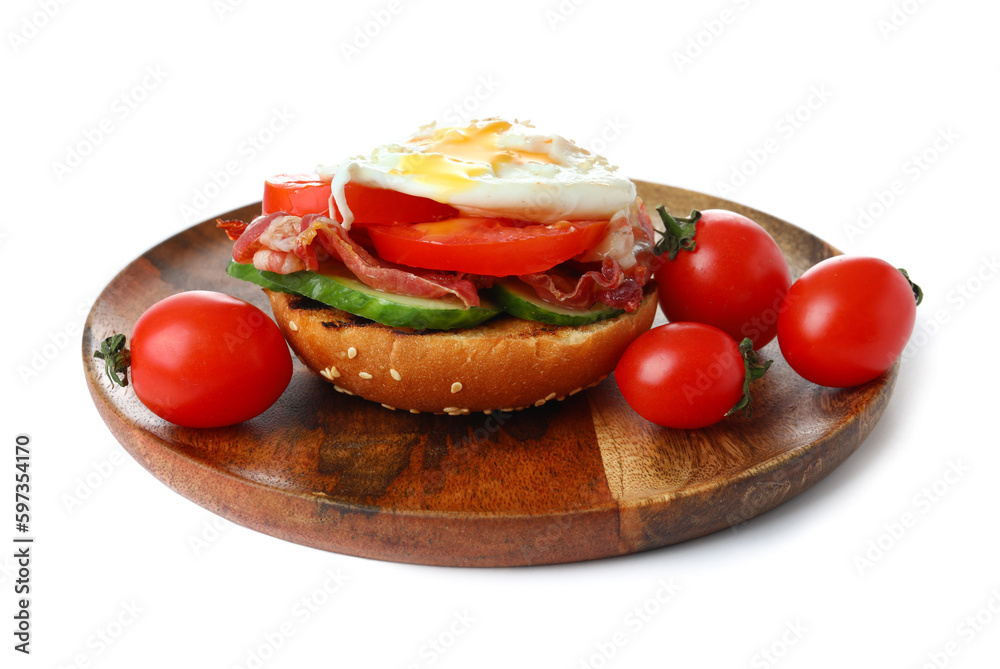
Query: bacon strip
{"x": 233, "y": 229}
{"x": 611, "y": 285}
{"x": 247, "y": 244}
{"x": 278, "y": 262}
{"x": 282, "y": 243}
{"x": 391, "y": 278}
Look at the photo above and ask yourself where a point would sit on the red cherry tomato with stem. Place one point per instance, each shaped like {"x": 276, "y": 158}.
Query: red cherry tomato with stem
{"x": 204, "y": 359}
{"x": 688, "y": 375}
{"x": 847, "y": 319}
{"x": 721, "y": 268}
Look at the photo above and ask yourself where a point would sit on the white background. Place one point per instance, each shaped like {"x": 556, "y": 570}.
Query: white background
{"x": 791, "y": 581}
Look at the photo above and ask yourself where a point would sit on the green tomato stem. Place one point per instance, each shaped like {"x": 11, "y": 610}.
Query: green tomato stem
{"x": 116, "y": 359}
{"x": 754, "y": 368}
{"x": 918, "y": 293}
{"x": 677, "y": 236}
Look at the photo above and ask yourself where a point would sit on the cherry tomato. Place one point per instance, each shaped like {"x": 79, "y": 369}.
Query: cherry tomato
{"x": 297, "y": 194}
{"x": 735, "y": 277}
{"x": 491, "y": 246}
{"x": 846, "y": 320}
{"x": 204, "y": 359}
{"x": 685, "y": 375}
{"x": 302, "y": 194}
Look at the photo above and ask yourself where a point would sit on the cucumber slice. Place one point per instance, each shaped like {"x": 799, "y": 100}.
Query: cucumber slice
{"x": 519, "y": 299}
{"x": 341, "y": 290}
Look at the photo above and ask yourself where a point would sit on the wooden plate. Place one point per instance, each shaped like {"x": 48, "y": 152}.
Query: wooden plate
{"x": 576, "y": 480}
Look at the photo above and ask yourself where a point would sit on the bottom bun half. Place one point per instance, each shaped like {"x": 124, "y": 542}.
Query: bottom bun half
{"x": 504, "y": 364}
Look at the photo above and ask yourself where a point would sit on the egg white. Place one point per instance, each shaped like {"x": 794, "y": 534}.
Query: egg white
{"x": 491, "y": 168}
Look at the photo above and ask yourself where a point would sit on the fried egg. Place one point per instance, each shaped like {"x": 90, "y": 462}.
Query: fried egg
{"x": 491, "y": 167}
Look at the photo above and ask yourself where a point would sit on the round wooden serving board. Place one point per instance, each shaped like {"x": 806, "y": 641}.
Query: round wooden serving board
{"x": 575, "y": 480}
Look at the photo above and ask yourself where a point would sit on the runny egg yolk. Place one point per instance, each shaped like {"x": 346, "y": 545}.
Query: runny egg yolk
{"x": 452, "y": 158}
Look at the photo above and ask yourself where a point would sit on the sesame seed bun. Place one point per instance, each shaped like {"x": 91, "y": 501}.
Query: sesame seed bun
{"x": 505, "y": 363}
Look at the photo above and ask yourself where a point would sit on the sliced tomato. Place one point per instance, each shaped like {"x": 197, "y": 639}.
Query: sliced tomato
{"x": 382, "y": 206}
{"x": 297, "y": 194}
{"x": 302, "y": 194}
{"x": 491, "y": 246}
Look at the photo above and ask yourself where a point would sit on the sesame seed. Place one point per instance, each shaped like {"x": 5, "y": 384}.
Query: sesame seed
{"x": 487, "y": 412}
{"x": 455, "y": 387}
{"x": 292, "y": 326}
{"x": 351, "y": 352}
{"x": 574, "y": 392}
{"x": 449, "y": 409}
{"x": 394, "y": 374}
{"x": 364, "y": 375}
{"x": 342, "y": 390}
{"x": 539, "y": 402}
{"x": 334, "y": 372}
{"x": 507, "y": 410}
{"x": 390, "y": 408}
{"x": 550, "y": 396}
{"x": 325, "y": 373}
{"x": 414, "y": 410}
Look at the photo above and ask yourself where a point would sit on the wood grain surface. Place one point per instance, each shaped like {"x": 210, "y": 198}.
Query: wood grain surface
{"x": 582, "y": 479}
